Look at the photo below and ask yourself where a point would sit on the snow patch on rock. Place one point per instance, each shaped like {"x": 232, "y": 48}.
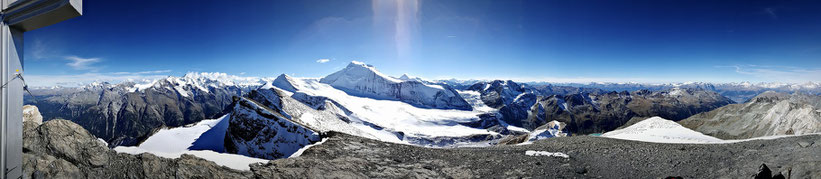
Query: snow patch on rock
{"x": 546, "y": 153}
{"x": 300, "y": 151}
{"x": 660, "y": 130}
{"x": 172, "y": 143}
{"x": 553, "y": 129}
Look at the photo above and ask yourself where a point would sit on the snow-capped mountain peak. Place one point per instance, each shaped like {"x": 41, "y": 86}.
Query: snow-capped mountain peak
{"x": 405, "y": 77}
{"x": 217, "y": 79}
{"x": 356, "y": 72}
{"x": 283, "y": 82}
{"x": 364, "y": 80}
{"x": 98, "y": 85}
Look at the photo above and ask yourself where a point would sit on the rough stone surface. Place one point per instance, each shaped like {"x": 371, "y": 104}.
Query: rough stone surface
{"x": 345, "y": 156}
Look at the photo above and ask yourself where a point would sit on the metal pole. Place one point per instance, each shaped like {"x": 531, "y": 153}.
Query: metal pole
{"x": 3, "y": 92}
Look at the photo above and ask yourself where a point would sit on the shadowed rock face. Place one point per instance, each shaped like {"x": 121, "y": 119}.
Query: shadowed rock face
{"x": 768, "y": 114}
{"x": 122, "y": 117}
{"x": 257, "y": 131}
{"x": 62, "y": 149}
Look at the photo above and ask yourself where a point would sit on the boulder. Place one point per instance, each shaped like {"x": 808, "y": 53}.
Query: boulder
{"x": 31, "y": 113}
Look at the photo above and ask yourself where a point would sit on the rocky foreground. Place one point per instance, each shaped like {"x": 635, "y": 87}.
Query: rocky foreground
{"x": 62, "y": 149}
{"x": 589, "y": 157}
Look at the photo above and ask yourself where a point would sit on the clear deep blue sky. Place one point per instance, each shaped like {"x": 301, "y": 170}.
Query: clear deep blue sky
{"x": 560, "y": 41}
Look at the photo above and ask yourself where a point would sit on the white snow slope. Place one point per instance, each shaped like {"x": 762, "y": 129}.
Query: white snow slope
{"x": 660, "y": 130}
{"x": 172, "y": 143}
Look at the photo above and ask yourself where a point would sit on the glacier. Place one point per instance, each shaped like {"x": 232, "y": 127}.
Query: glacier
{"x": 382, "y": 119}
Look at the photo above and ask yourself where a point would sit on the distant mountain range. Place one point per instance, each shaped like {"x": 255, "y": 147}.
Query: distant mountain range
{"x": 590, "y": 110}
{"x": 361, "y": 101}
{"x": 738, "y": 92}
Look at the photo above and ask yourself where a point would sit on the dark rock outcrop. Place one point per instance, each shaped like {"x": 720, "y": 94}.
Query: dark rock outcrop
{"x": 763, "y": 172}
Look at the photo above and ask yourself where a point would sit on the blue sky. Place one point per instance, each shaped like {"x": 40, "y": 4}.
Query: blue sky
{"x": 558, "y": 41}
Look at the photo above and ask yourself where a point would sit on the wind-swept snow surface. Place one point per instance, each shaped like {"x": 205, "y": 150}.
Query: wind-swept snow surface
{"x": 660, "y": 130}
{"x": 172, "y": 143}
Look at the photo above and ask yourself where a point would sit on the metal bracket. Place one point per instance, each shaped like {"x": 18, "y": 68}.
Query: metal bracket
{"x": 25, "y": 86}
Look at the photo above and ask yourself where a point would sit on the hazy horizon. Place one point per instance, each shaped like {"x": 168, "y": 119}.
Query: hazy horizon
{"x": 147, "y": 77}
